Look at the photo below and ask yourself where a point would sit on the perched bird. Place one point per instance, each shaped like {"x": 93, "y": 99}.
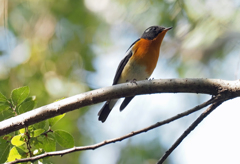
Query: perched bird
{"x": 138, "y": 64}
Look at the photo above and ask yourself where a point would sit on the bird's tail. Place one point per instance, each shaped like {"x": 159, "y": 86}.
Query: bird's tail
{"x": 106, "y": 109}
{"x": 125, "y": 102}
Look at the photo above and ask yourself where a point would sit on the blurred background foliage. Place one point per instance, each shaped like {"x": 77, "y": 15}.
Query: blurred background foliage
{"x": 62, "y": 48}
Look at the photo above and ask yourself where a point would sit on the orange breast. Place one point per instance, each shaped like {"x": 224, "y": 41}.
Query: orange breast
{"x": 146, "y": 52}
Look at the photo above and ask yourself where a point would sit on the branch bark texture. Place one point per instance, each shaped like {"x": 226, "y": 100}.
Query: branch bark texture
{"x": 231, "y": 89}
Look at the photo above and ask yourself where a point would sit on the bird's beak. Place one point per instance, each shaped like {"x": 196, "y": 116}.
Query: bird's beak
{"x": 169, "y": 28}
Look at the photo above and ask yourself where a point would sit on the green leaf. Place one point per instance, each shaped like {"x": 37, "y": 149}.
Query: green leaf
{"x": 4, "y": 150}
{"x": 19, "y": 95}
{"x": 22, "y": 131}
{"x": 16, "y": 153}
{"x": 64, "y": 138}
{"x": 18, "y": 140}
{"x": 6, "y": 114}
{"x": 7, "y": 137}
{"x": 27, "y": 105}
{"x": 48, "y": 143}
{"x": 38, "y": 132}
{"x": 35, "y": 143}
{"x": 41, "y": 125}
{"x": 4, "y": 106}
{"x": 55, "y": 119}
{"x": 2, "y": 98}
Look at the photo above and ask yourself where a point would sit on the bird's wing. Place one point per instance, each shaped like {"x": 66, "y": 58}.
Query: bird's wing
{"x": 123, "y": 63}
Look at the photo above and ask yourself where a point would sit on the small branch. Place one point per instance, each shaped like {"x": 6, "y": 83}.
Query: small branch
{"x": 92, "y": 147}
{"x": 12, "y": 107}
{"x": 28, "y": 141}
{"x": 45, "y": 133}
{"x": 205, "y": 86}
{"x": 191, "y": 127}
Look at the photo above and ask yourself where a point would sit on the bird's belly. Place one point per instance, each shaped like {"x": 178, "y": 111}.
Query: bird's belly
{"x": 132, "y": 71}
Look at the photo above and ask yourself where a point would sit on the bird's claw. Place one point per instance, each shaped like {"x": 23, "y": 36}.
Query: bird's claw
{"x": 132, "y": 81}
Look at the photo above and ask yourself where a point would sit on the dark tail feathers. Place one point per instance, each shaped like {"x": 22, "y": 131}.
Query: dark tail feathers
{"x": 125, "y": 102}
{"x": 104, "y": 112}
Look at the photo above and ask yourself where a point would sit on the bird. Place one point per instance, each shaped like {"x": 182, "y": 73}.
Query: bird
{"x": 138, "y": 64}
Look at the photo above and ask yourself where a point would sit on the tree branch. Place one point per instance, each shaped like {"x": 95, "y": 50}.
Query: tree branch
{"x": 205, "y": 86}
{"x": 190, "y": 128}
{"x": 95, "y": 146}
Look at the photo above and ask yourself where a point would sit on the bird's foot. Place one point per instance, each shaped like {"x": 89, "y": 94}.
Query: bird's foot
{"x": 150, "y": 79}
{"x": 133, "y": 81}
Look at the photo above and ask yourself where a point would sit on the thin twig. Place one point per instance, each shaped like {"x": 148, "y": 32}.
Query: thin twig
{"x": 28, "y": 141}
{"x": 190, "y": 128}
{"x": 95, "y": 146}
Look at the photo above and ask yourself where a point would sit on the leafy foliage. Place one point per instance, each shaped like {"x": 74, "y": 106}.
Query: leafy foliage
{"x": 4, "y": 149}
{"x": 19, "y": 95}
{"x": 32, "y": 140}
{"x": 64, "y": 138}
